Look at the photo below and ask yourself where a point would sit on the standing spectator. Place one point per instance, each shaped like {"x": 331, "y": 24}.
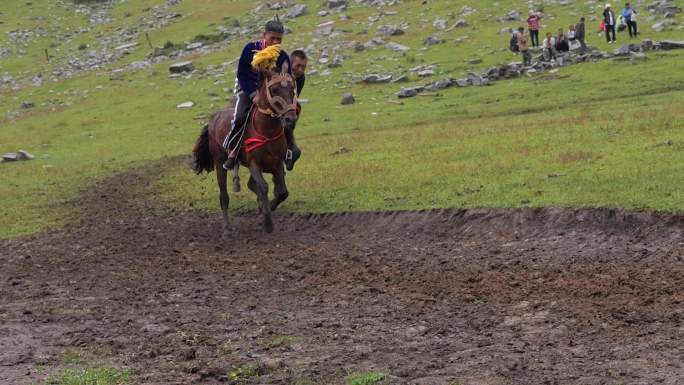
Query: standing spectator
{"x": 629, "y": 14}
{"x": 533, "y": 26}
{"x": 523, "y": 47}
{"x": 562, "y": 44}
{"x": 609, "y": 20}
{"x": 549, "y": 46}
{"x": 579, "y": 34}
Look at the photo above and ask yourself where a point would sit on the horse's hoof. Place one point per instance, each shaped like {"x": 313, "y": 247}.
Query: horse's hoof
{"x": 236, "y": 186}
{"x": 268, "y": 224}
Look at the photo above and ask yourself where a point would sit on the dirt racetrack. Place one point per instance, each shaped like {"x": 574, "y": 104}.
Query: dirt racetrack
{"x": 534, "y": 296}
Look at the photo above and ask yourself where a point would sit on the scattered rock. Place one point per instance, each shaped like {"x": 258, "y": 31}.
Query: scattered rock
{"x": 671, "y": 44}
{"x": 397, "y": 47}
{"x": 347, "y": 99}
{"x": 10, "y": 157}
{"x": 26, "y": 104}
{"x": 390, "y": 30}
{"x": 375, "y": 78}
{"x": 297, "y": 10}
{"x": 440, "y": 24}
{"x": 181, "y": 67}
{"x": 186, "y": 105}
{"x": 24, "y": 155}
{"x": 432, "y": 41}
{"x": 337, "y": 4}
{"x": 409, "y": 92}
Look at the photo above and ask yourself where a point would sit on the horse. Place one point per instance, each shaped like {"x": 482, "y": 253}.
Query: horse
{"x": 264, "y": 146}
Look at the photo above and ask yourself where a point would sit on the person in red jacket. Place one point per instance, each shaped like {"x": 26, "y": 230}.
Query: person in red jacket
{"x": 533, "y": 25}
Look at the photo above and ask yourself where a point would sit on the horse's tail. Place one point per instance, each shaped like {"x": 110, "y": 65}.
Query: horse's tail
{"x": 203, "y": 159}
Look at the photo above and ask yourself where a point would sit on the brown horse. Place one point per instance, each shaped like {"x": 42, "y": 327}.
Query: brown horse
{"x": 263, "y": 148}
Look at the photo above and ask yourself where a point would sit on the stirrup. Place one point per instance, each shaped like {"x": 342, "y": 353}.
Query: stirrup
{"x": 288, "y": 154}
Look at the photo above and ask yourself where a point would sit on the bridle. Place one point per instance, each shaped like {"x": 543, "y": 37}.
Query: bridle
{"x": 277, "y": 105}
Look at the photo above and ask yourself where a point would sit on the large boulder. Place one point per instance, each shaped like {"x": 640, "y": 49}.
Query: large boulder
{"x": 181, "y": 67}
{"x": 671, "y": 44}
{"x": 348, "y": 99}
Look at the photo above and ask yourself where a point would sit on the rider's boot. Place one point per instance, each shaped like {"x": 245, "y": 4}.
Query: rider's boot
{"x": 293, "y": 152}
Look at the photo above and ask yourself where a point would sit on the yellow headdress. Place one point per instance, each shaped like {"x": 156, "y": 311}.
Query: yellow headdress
{"x": 265, "y": 60}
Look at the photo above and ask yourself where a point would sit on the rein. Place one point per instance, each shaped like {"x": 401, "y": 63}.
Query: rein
{"x": 277, "y": 108}
{"x": 259, "y": 140}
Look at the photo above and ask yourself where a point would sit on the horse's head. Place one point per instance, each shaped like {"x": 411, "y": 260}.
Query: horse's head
{"x": 278, "y": 94}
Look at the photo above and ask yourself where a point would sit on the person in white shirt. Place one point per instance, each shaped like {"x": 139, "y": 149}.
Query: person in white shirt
{"x": 549, "y": 46}
{"x": 609, "y": 21}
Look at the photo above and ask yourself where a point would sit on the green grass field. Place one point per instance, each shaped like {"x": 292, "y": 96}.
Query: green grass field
{"x": 605, "y": 134}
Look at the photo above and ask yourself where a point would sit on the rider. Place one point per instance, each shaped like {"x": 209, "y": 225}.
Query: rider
{"x": 247, "y": 85}
{"x": 299, "y": 62}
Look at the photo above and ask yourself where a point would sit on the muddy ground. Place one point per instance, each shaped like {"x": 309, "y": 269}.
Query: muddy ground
{"x": 492, "y": 297}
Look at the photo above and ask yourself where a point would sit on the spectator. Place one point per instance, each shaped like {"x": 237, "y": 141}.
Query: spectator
{"x": 609, "y": 20}
{"x": 579, "y": 34}
{"x": 629, "y": 14}
{"x": 549, "y": 46}
{"x": 562, "y": 44}
{"x": 523, "y": 47}
{"x": 572, "y": 34}
{"x": 533, "y": 26}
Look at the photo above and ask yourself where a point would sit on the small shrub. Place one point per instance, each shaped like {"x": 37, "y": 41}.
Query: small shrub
{"x": 366, "y": 378}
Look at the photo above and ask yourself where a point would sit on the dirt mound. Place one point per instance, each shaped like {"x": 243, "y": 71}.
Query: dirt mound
{"x": 539, "y": 296}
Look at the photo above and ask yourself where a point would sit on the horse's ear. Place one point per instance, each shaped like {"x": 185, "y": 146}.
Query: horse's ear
{"x": 285, "y": 68}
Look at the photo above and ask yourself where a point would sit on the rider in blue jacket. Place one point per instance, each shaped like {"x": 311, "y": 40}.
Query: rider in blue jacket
{"x": 247, "y": 86}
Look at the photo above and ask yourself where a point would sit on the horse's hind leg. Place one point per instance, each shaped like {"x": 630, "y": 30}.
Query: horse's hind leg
{"x": 258, "y": 183}
{"x": 224, "y": 200}
{"x": 280, "y": 189}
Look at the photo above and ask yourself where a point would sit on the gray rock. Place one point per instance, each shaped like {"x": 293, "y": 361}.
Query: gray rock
{"x": 663, "y": 25}
{"x": 512, "y": 15}
{"x": 440, "y": 24}
{"x": 461, "y": 23}
{"x": 400, "y": 79}
{"x": 425, "y": 73}
{"x": 390, "y": 30}
{"x": 397, "y": 47}
{"x": 337, "y": 4}
{"x": 194, "y": 46}
{"x": 297, "y": 10}
{"x": 466, "y": 11}
{"x": 474, "y": 61}
{"x": 409, "y": 92}
{"x": 462, "y": 82}
{"x": 347, "y": 99}
{"x": 186, "y": 105}
{"x": 440, "y": 85}
{"x": 375, "y": 78}
{"x": 671, "y": 44}
{"x": 10, "y": 157}
{"x": 476, "y": 79}
{"x": 26, "y": 104}
{"x": 324, "y": 29}
{"x": 432, "y": 40}
{"x": 181, "y": 67}
{"x": 24, "y": 155}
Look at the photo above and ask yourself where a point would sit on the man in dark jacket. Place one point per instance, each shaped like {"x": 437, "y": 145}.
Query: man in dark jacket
{"x": 580, "y": 34}
{"x": 609, "y": 20}
{"x": 299, "y": 62}
{"x": 248, "y": 85}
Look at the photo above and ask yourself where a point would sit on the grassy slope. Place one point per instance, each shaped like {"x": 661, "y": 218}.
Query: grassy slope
{"x": 582, "y": 137}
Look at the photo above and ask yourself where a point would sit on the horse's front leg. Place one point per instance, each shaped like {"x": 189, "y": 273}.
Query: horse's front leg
{"x": 261, "y": 188}
{"x": 280, "y": 189}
